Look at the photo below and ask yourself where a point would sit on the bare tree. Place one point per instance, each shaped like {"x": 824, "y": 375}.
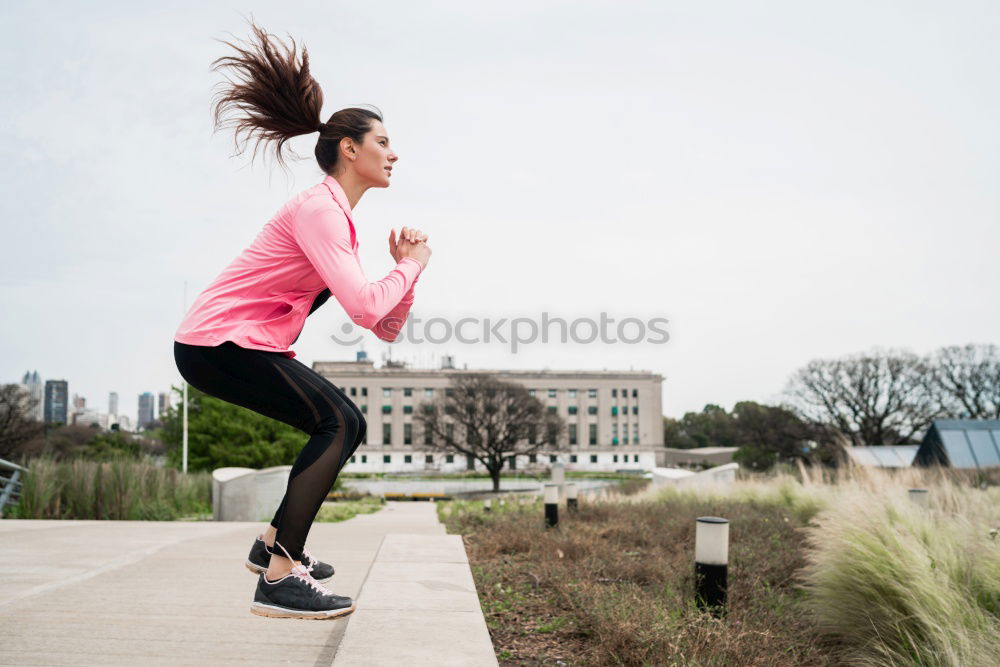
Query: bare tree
{"x": 16, "y": 424}
{"x": 966, "y": 380}
{"x": 874, "y": 398}
{"x": 490, "y": 420}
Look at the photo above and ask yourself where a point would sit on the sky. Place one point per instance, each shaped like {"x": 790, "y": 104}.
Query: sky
{"x": 780, "y": 181}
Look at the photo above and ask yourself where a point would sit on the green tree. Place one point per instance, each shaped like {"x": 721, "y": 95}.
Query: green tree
{"x": 112, "y": 445}
{"x": 767, "y": 434}
{"x": 712, "y": 427}
{"x": 222, "y": 434}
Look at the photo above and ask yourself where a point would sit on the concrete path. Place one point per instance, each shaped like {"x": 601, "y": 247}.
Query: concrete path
{"x": 177, "y": 593}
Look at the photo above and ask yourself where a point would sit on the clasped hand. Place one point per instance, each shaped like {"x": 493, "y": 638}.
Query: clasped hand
{"x": 406, "y": 245}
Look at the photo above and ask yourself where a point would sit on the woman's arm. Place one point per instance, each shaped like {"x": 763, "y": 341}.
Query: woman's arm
{"x": 323, "y": 233}
{"x": 388, "y": 327}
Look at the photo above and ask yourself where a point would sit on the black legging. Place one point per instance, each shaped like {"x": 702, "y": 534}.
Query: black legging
{"x": 287, "y": 390}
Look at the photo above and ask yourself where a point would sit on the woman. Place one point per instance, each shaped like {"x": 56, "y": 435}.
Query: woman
{"x": 233, "y": 343}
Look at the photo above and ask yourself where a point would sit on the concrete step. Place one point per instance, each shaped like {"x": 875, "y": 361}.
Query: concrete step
{"x": 418, "y": 606}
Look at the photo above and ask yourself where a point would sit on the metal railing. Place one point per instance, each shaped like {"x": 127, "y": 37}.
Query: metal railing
{"x": 10, "y": 483}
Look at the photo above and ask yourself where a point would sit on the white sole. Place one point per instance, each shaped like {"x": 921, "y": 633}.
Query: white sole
{"x": 257, "y": 569}
{"x": 271, "y": 611}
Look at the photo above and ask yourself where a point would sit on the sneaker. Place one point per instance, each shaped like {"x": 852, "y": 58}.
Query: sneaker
{"x": 260, "y": 558}
{"x": 298, "y": 595}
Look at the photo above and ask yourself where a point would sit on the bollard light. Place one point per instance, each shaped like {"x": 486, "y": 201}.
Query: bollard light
{"x": 919, "y": 497}
{"x": 487, "y": 505}
{"x": 551, "y": 497}
{"x": 571, "y": 500}
{"x": 711, "y": 560}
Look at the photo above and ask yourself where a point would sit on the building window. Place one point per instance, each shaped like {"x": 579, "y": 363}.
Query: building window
{"x": 592, "y": 435}
{"x": 635, "y": 393}
{"x": 614, "y": 434}
{"x": 635, "y": 433}
{"x": 387, "y": 391}
{"x": 364, "y": 391}
{"x": 386, "y": 434}
{"x": 572, "y": 458}
{"x": 614, "y": 459}
{"x": 552, "y": 393}
{"x": 354, "y": 391}
{"x": 572, "y": 434}
{"x": 386, "y": 409}
{"x": 572, "y": 409}
{"x": 449, "y": 392}
{"x": 552, "y": 409}
{"x": 531, "y": 392}
{"x": 429, "y": 458}
{"x": 614, "y": 441}
{"x": 624, "y": 392}
{"x": 407, "y": 409}
{"x": 591, "y": 409}
{"x": 427, "y": 436}
{"x": 407, "y": 434}
{"x": 353, "y": 458}
{"x": 428, "y": 408}
{"x": 449, "y": 430}
{"x": 593, "y": 458}
{"x": 635, "y": 458}
{"x": 364, "y": 408}
{"x": 532, "y": 458}
{"x": 407, "y": 391}
{"x": 614, "y": 410}
{"x": 407, "y": 458}
{"x": 386, "y": 458}
{"x": 553, "y": 458}
{"x": 449, "y": 458}
{"x": 591, "y": 393}
{"x": 614, "y": 393}
{"x": 512, "y": 462}
{"x": 635, "y": 409}
{"x": 625, "y": 436}
{"x": 364, "y": 458}
{"x": 428, "y": 391}
{"x": 571, "y": 393}
{"x": 531, "y": 434}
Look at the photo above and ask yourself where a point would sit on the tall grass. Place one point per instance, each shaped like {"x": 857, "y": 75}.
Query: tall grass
{"x": 117, "y": 489}
{"x": 891, "y": 582}
{"x": 905, "y": 585}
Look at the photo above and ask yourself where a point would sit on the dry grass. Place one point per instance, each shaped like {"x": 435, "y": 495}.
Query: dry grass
{"x": 825, "y": 568}
{"x": 613, "y": 584}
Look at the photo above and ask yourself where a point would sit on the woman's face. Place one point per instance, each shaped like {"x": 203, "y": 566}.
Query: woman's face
{"x": 374, "y": 158}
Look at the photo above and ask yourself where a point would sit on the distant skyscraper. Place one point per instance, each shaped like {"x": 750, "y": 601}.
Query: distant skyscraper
{"x": 146, "y": 407}
{"x": 36, "y": 389}
{"x": 79, "y": 402}
{"x": 56, "y": 401}
{"x": 164, "y": 404}
{"x": 113, "y": 403}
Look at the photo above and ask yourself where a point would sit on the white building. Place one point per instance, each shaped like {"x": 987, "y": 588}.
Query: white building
{"x": 35, "y": 388}
{"x": 614, "y": 418}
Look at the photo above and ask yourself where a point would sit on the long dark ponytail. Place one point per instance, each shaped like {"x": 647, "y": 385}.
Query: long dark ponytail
{"x": 275, "y": 98}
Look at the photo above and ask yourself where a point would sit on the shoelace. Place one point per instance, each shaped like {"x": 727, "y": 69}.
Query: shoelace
{"x": 301, "y": 572}
{"x": 306, "y": 556}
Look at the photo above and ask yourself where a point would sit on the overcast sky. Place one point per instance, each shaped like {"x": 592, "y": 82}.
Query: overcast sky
{"x": 782, "y": 181}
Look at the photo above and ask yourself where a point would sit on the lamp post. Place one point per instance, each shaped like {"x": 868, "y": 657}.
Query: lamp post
{"x": 711, "y": 561}
{"x": 571, "y": 497}
{"x": 551, "y": 505}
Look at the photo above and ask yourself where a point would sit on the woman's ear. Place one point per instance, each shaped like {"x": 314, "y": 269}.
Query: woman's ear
{"x": 347, "y": 148}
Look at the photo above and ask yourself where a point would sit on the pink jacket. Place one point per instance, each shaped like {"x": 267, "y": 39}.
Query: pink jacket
{"x": 261, "y": 300}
